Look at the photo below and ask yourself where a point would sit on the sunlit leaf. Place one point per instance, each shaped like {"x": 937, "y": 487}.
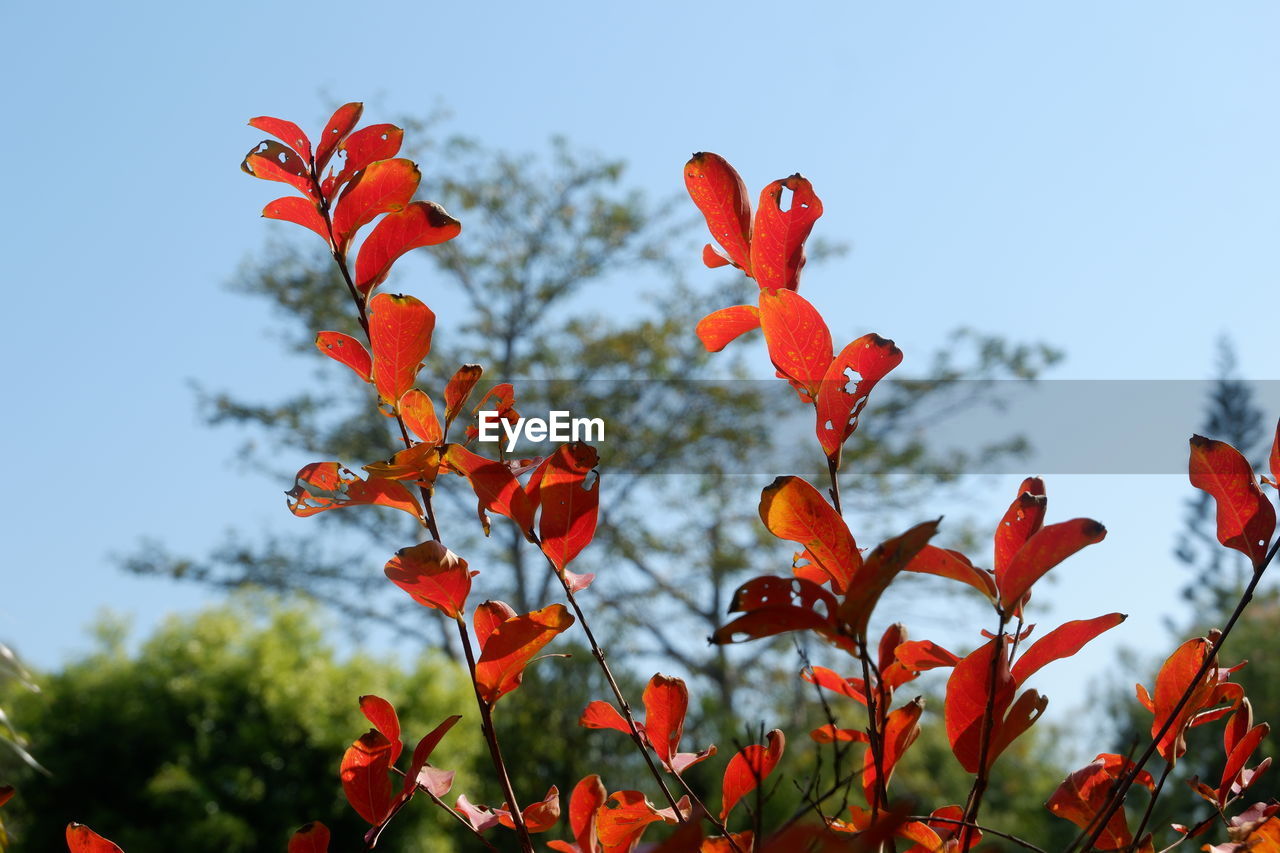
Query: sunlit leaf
{"x": 512, "y": 645}
{"x": 622, "y": 820}
{"x": 776, "y": 605}
{"x": 419, "y": 415}
{"x": 666, "y": 700}
{"x": 712, "y": 257}
{"x": 384, "y": 187}
{"x": 1084, "y": 793}
{"x": 422, "y": 753}
{"x": 433, "y": 576}
{"x": 777, "y": 235}
{"x": 495, "y": 486}
{"x": 339, "y": 125}
{"x": 345, "y": 349}
{"x": 488, "y": 616}
{"x": 1048, "y": 547}
{"x": 364, "y": 776}
{"x": 82, "y": 839}
{"x": 585, "y": 801}
{"x": 720, "y": 194}
{"x": 603, "y": 715}
{"x": 287, "y": 132}
{"x": 327, "y": 485}
{"x": 946, "y": 563}
{"x": 968, "y": 691}
{"x": 363, "y": 147}
{"x": 1246, "y": 518}
{"x": 748, "y": 768}
{"x": 420, "y": 224}
{"x": 798, "y": 340}
{"x": 310, "y": 838}
{"x": 272, "y": 161}
{"x": 419, "y": 463}
{"x": 923, "y": 655}
{"x": 458, "y": 390}
{"x": 569, "y": 494}
{"x": 1177, "y": 675}
{"x": 1062, "y": 642}
{"x": 300, "y": 211}
{"x": 1022, "y": 520}
{"x": 718, "y": 328}
{"x": 901, "y": 729}
{"x": 831, "y": 734}
{"x": 400, "y": 329}
{"x": 878, "y": 570}
{"x": 833, "y": 681}
{"x": 382, "y": 714}
{"x": 794, "y": 510}
{"x": 539, "y": 816}
{"x": 846, "y": 384}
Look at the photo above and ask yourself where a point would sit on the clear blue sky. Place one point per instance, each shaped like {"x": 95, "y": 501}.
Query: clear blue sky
{"x": 1101, "y": 176}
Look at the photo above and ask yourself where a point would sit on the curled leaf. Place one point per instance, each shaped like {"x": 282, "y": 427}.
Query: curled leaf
{"x": 327, "y": 485}
{"x": 721, "y": 196}
{"x": 511, "y": 646}
{"x": 420, "y": 224}
{"x": 345, "y": 349}
{"x": 433, "y": 576}
{"x": 777, "y": 235}
{"x": 1246, "y": 519}
{"x": 718, "y": 328}
{"x": 749, "y": 768}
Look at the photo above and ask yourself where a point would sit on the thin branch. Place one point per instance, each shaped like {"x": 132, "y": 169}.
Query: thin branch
{"x": 1151, "y": 805}
{"x": 986, "y": 830}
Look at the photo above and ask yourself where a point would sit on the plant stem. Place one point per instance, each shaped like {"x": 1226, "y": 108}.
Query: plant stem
{"x": 880, "y": 796}
{"x": 984, "y": 744}
{"x": 491, "y": 738}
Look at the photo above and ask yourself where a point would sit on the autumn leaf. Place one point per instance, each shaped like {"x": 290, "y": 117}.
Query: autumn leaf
{"x": 1246, "y": 518}
{"x": 495, "y": 486}
{"x": 901, "y": 728}
{"x": 776, "y": 605}
{"x": 300, "y": 211}
{"x": 1022, "y": 520}
{"x": 419, "y": 463}
{"x": 666, "y": 699}
{"x": 287, "y": 132}
{"x": 400, "y": 329}
{"x": 968, "y": 691}
{"x": 272, "y": 161}
{"x": 511, "y": 646}
{"x": 419, "y": 415}
{"x": 458, "y": 390}
{"x": 310, "y": 838}
{"x": 364, "y": 776}
{"x": 382, "y": 714}
{"x": 420, "y": 224}
{"x": 721, "y": 196}
{"x": 569, "y": 495}
{"x": 718, "y": 328}
{"x": 846, "y": 384}
{"x": 363, "y": 147}
{"x": 777, "y": 235}
{"x": 797, "y": 338}
{"x": 749, "y": 768}
{"x": 82, "y": 839}
{"x": 945, "y": 563}
{"x": 322, "y": 486}
{"x": 625, "y": 816}
{"x": 603, "y": 715}
{"x": 386, "y": 186}
{"x": 433, "y": 576}
{"x": 794, "y": 510}
{"x": 1045, "y": 549}
{"x": 488, "y": 616}
{"x": 336, "y": 130}
{"x": 539, "y": 816}
{"x": 1084, "y": 793}
{"x": 1062, "y": 642}
{"x": 345, "y": 349}
{"x": 878, "y": 570}
{"x": 585, "y": 802}
{"x": 829, "y": 679}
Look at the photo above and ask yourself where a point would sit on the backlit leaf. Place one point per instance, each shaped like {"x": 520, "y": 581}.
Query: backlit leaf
{"x": 82, "y": 839}
{"x": 712, "y": 257}
{"x": 946, "y": 563}
{"x": 878, "y": 570}
{"x": 846, "y": 383}
{"x": 720, "y": 194}
{"x": 421, "y": 223}
{"x": 901, "y": 729}
{"x": 585, "y": 802}
{"x": 923, "y": 655}
{"x": 1246, "y": 518}
{"x": 777, "y": 236}
{"x": 1082, "y": 795}
{"x": 422, "y": 753}
{"x": 666, "y": 699}
{"x": 310, "y": 838}
{"x": 300, "y": 211}
{"x": 833, "y": 681}
{"x": 512, "y": 645}
{"x": 797, "y": 337}
{"x": 1022, "y": 520}
{"x": 364, "y": 776}
{"x": 488, "y": 616}
{"x": 363, "y": 147}
{"x": 384, "y": 187}
{"x": 458, "y": 390}
{"x": 1176, "y": 676}
{"x": 271, "y": 161}
{"x": 382, "y": 714}
{"x": 400, "y": 329}
{"x": 968, "y": 690}
{"x": 602, "y": 715}
{"x": 718, "y": 328}
{"x": 1045, "y": 549}
{"x": 1062, "y": 642}
{"x": 345, "y": 349}
{"x": 794, "y": 510}
{"x": 749, "y": 768}
{"x": 569, "y": 494}
{"x": 776, "y": 605}
{"x": 539, "y": 816}
{"x": 495, "y": 486}
{"x": 339, "y": 125}
{"x": 433, "y": 576}
{"x": 419, "y": 415}
{"x": 622, "y": 820}
{"x": 419, "y": 463}
{"x": 287, "y": 132}
{"x": 327, "y": 485}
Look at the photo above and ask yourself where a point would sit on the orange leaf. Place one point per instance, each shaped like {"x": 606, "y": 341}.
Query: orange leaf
{"x": 748, "y": 769}
{"x": 798, "y": 340}
{"x": 1274, "y": 459}
{"x": 794, "y": 510}
{"x": 345, "y": 349}
{"x": 539, "y": 816}
{"x": 585, "y": 802}
{"x": 272, "y": 161}
{"x": 420, "y": 463}
{"x": 1062, "y": 642}
{"x": 382, "y": 714}
{"x": 901, "y": 729}
{"x": 423, "y": 751}
{"x": 968, "y": 689}
{"x": 946, "y": 563}
{"x": 846, "y": 384}
{"x": 327, "y": 485}
{"x": 364, "y": 776}
{"x": 878, "y": 571}
{"x": 340, "y": 124}
{"x": 365, "y": 146}
{"x": 1021, "y": 716}
{"x": 287, "y": 132}
{"x": 386, "y": 186}
{"x": 602, "y": 715}
{"x": 433, "y": 576}
{"x": 300, "y": 211}
{"x": 419, "y": 415}
{"x": 488, "y": 616}
{"x": 774, "y": 605}
{"x": 310, "y": 838}
{"x": 622, "y": 820}
{"x": 1022, "y": 520}
{"x": 1246, "y": 518}
{"x": 1176, "y": 676}
{"x": 718, "y": 191}
{"x": 569, "y": 494}
{"x": 512, "y": 645}
{"x": 666, "y": 699}
{"x": 400, "y": 330}
{"x": 1045, "y": 549}
{"x": 712, "y": 257}
{"x": 422, "y": 223}
{"x": 82, "y": 839}
{"x": 496, "y": 487}
{"x": 1083, "y": 794}
{"x": 923, "y": 655}
{"x": 833, "y": 681}
{"x": 458, "y": 390}
{"x": 718, "y": 328}
{"x": 830, "y": 734}
{"x": 777, "y": 237}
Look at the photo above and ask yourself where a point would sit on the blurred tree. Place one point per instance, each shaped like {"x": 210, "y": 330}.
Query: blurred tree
{"x": 223, "y": 733}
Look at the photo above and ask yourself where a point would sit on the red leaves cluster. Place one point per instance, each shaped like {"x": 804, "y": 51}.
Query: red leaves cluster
{"x": 666, "y": 700}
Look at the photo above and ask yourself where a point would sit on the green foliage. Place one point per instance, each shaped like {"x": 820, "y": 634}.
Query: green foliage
{"x": 222, "y": 733}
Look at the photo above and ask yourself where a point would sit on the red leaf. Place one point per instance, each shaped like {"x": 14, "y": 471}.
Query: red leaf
{"x": 773, "y": 605}
{"x": 923, "y": 655}
{"x": 400, "y": 330}
{"x": 422, "y": 752}
{"x": 384, "y": 187}
{"x": 345, "y": 349}
{"x": 433, "y": 576}
{"x": 458, "y": 390}
{"x": 382, "y": 714}
{"x": 1062, "y": 642}
{"x": 419, "y": 463}
{"x": 966, "y": 704}
{"x": 666, "y": 699}
{"x": 422, "y": 223}
{"x": 777, "y": 237}
{"x": 512, "y": 645}
{"x": 310, "y": 838}
{"x": 1044, "y": 550}
{"x": 712, "y": 258}
{"x": 364, "y": 776}
{"x": 798, "y": 340}
{"x": 327, "y": 485}
{"x": 272, "y": 161}
{"x": 419, "y": 415}
{"x": 496, "y": 487}
{"x": 720, "y": 194}
{"x": 749, "y": 768}
{"x": 622, "y": 820}
{"x": 861, "y": 364}
{"x": 1022, "y": 520}
{"x": 794, "y": 510}
{"x": 299, "y": 211}
{"x": 901, "y": 729}
{"x": 539, "y": 816}
{"x": 877, "y": 572}
{"x": 82, "y": 839}
{"x": 287, "y": 132}
{"x": 830, "y": 734}
{"x": 340, "y": 124}
{"x": 1176, "y": 676}
{"x": 365, "y": 146}
{"x": 488, "y": 617}
{"x": 1083, "y": 794}
{"x": 1246, "y": 518}
{"x": 602, "y": 715}
{"x": 585, "y": 802}
{"x": 718, "y": 328}
{"x": 946, "y": 563}
{"x": 1274, "y": 460}
{"x": 569, "y": 494}
{"x": 1237, "y": 758}
{"x": 1020, "y": 717}
{"x": 833, "y": 681}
